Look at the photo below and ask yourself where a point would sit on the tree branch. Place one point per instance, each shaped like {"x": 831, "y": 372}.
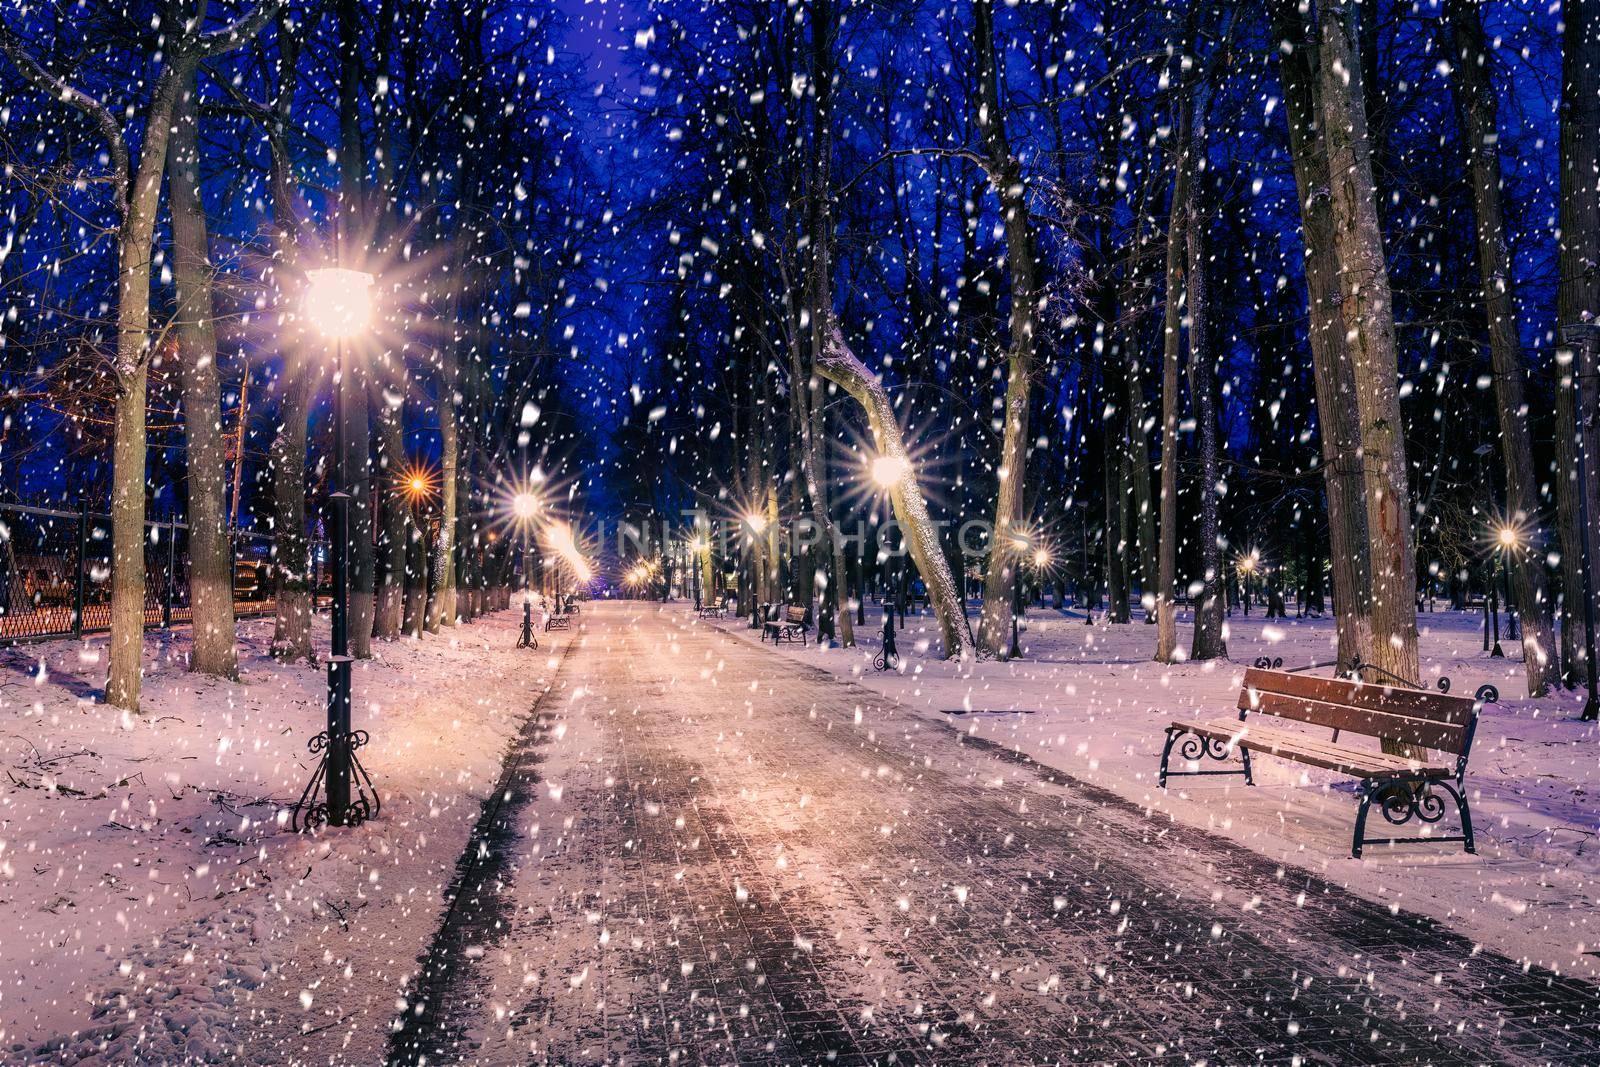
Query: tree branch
{"x": 73, "y": 97}
{"x": 235, "y": 33}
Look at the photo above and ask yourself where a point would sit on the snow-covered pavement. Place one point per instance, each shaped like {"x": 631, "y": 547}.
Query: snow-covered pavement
{"x": 1088, "y": 701}
{"x": 714, "y": 852}
{"x": 155, "y": 906}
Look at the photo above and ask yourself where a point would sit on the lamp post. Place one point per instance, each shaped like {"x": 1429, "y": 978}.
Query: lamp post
{"x": 1585, "y": 336}
{"x": 338, "y": 303}
{"x": 757, "y": 523}
{"x": 524, "y": 506}
{"x": 888, "y": 472}
{"x": 1505, "y": 543}
{"x": 700, "y": 548}
{"x": 1021, "y": 544}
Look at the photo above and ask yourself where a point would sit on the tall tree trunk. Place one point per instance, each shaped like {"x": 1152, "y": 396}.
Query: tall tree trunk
{"x": 1475, "y": 99}
{"x": 1578, "y": 301}
{"x": 299, "y": 381}
{"x": 1005, "y": 175}
{"x": 132, "y": 374}
{"x": 1208, "y": 641}
{"x": 1171, "y": 359}
{"x": 1369, "y": 324}
{"x": 1332, "y": 370}
{"x": 839, "y": 365}
{"x": 210, "y": 555}
{"x": 390, "y": 393}
{"x": 807, "y": 392}
{"x": 442, "y": 607}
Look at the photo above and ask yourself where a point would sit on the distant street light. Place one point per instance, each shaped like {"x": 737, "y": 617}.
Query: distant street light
{"x": 338, "y": 304}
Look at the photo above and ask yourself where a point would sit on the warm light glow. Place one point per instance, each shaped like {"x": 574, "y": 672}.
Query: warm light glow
{"x": 338, "y": 301}
{"x": 1508, "y": 537}
{"x": 417, "y": 482}
{"x": 524, "y": 506}
{"x": 887, "y": 471}
{"x": 1041, "y": 558}
{"x": 757, "y": 521}
{"x": 698, "y": 545}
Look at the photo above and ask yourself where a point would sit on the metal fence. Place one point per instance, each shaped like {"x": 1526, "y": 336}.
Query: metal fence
{"x": 55, "y": 573}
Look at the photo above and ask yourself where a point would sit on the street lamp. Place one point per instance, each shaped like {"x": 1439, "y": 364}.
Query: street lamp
{"x": 338, "y": 304}
{"x": 699, "y": 548}
{"x": 887, "y": 473}
{"x": 1247, "y": 567}
{"x": 758, "y": 524}
{"x": 524, "y": 509}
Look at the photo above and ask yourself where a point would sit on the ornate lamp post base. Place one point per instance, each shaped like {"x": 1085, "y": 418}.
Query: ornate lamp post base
{"x": 527, "y": 640}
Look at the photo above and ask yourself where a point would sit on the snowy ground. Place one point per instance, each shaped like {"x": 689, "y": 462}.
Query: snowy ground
{"x": 155, "y": 903}
{"x": 1089, "y": 701}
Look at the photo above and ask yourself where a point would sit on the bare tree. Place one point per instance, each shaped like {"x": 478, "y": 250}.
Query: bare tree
{"x": 210, "y": 554}
{"x": 1368, "y": 315}
{"x": 1476, "y": 102}
{"x": 1334, "y": 376}
{"x": 1578, "y": 301}
{"x": 136, "y": 192}
{"x": 1005, "y": 175}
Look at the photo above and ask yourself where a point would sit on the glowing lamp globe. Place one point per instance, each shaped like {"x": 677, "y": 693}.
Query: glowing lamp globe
{"x": 888, "y": 470}
{"x": 524, "y": 506}
{"x": 1508, "y": 537}
{"x": 338, "y": 301}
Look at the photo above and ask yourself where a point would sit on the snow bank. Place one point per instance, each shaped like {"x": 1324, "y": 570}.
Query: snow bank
{"x": 155, "y": 902}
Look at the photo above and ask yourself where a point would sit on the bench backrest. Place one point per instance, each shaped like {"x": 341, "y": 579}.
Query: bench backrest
{"x": 796, "y": 616}
{"x": 1411, "y": 716}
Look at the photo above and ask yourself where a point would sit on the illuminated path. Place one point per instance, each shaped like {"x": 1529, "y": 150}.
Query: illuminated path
{"x": 707, "y": 853}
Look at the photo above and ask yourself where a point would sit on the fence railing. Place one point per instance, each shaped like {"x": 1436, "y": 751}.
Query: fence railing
{"x": 55, "y": 573}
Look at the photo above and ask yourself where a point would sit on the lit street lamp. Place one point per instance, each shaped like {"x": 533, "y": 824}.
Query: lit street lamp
{"x": 338, "y": 304}
{"x": 524, "y": 508}
{"x": 887, "y": 472}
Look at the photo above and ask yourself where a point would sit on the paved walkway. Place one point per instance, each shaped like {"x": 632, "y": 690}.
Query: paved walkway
{"x": 705, "y": 853}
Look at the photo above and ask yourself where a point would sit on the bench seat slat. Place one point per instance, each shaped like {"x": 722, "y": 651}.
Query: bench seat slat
{"x": 1446, "y": 737}
{"x": 1392, "y": 700}
{"x": 1311, "y": 750}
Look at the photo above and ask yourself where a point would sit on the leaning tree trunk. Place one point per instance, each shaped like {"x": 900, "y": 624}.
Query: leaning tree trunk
{"x": 839, "y": 365}
{"x": 1332, "y": 371}
{"x": 1368, "y": 316}
{"x": 1171, "y": 358}
{"x": 210, "y": 555}
{"x": 1578, "y": 301}
{"x": 1475, "y": 98}
{"x": 1005, "y": 174}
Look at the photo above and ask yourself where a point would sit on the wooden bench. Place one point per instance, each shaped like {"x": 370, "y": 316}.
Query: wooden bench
{"x": 711, "y": 609}
{"x": 792, "y": 625}
{"x": 558, "y": 621}
{"x": 1403, "y": 788}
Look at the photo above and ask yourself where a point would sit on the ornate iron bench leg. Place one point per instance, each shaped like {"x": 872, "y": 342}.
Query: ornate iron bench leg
{"x": 1166, "y": 754}
{"x": 1248, "y": 780}
{"x": 1361, "y": 820}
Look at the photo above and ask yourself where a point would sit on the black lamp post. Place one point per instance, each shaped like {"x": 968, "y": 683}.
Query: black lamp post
{"x": 1584, "y": 336}
{"x": 524, "y": 505}
{"x": 339, "y": 303}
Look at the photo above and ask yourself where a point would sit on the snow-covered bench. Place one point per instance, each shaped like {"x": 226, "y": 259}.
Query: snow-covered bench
{"x": 790, "y": 625}
{"x": 711, "y": 609}
{"x": 1404, "y": 788}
